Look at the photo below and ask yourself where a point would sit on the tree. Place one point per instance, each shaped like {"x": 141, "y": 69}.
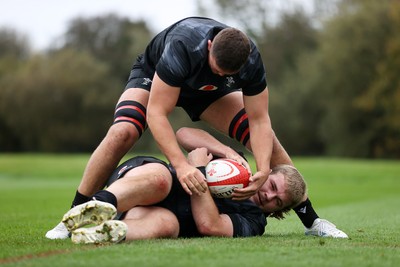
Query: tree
{"x": 14, "y": 49}
{"x": 111, "y": 39}
{"x": 58, "y": 102}
{"x": 351, "y": 46}
{"x": 71, "y": 90}
{"x": 13, "y": 44}
{"x": 380, "y": 102}
{"x": 286, "y": 48}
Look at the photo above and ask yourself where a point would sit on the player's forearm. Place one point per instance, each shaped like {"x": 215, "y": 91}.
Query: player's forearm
{"x": 262, "y": 144}
{"x": 164, "y": 135}
{"x": 207, "y": 217}
{"x": 261, "y": 135}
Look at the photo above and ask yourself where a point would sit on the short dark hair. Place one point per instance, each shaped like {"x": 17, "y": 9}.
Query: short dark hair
{"x": 231, "y": 48}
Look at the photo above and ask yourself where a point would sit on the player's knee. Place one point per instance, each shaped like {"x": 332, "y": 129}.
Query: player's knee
{"x": 122, "y": 133}
{"x": 160, "y": 179}
{"x": 131, "y": 113}
{"x": 239, "y": 127}
{"x": 163, "y": 184}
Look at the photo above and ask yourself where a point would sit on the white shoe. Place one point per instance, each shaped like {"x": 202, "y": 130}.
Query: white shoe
{"x": 58, "y": 232}
{"x": 108, "y": 232}
{"x": 324, "y": 228}
{"x": 92, "y": 212}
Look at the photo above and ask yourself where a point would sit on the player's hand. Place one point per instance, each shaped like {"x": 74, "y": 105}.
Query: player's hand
{"x": 256, "y": 182}
{"x": 236, "y": 157}
{"x": 191, "y": 179}
{"x": 199, "y": 157}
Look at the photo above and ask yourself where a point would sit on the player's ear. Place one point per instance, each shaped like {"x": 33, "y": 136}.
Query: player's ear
{"x": 209, "y": 45}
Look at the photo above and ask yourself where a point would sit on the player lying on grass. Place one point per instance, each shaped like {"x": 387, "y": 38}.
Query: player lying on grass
{"x": 190, "y": 138}
{"x": 147, "y": 192}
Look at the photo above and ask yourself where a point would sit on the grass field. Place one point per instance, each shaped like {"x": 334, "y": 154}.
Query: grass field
{"x": 361, "y": 197}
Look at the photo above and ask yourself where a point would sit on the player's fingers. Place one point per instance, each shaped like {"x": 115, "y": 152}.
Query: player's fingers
{"x": 186, "y": 187}
{"x": 192, "y": 187}
{"x": 243, "y": 193}
{"x": 198, "y": 186}
{"x": 240, "y": 197}
{"x": 246, "y": 164}
{"x": 202, "y": 185}
{"x": 254, "y": 178}
{"x": 200, "y": 182}
{"x": 251, "y": 189}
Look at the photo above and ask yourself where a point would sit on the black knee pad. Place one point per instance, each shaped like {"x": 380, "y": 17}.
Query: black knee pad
{"x": 132, "y": 112}
{"x": 239, "y": 127}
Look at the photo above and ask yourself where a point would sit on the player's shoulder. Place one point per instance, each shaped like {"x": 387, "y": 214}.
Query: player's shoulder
{"x": 200, "y": 22}
{"x": 195, "y": 28}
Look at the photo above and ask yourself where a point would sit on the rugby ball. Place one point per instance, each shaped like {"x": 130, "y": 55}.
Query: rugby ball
{"x": 224, "y": 175}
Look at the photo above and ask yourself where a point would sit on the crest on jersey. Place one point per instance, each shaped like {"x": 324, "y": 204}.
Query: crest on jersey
{"x": 208, "y": 87}
{"x": 146, "y": 81}
{"x": 229, "y": 81}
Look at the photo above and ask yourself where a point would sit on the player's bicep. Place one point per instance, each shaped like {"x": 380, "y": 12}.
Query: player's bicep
{"x": 163, "y": 97}
{"x": 257, "y": 105}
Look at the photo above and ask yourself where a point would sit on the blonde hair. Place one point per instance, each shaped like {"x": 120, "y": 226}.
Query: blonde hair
{"x": 296, "y": 188}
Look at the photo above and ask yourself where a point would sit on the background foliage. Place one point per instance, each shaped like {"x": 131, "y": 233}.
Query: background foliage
{"x": 332, "y": 73}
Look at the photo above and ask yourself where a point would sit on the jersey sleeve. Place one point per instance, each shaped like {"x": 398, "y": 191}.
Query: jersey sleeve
{"x": 254, "y": 74}
{"x": 247, "y": 218}
{"x": 248, "y": 225}
{"x": 174, "y": 65}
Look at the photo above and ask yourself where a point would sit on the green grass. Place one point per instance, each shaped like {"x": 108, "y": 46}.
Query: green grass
{"x": 361, "y": 197}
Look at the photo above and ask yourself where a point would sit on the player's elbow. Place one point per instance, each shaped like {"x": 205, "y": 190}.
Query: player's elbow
{"x": 153, "y": 115}
{"x": 205, "y": 228}
{"x": 211, "y": 229}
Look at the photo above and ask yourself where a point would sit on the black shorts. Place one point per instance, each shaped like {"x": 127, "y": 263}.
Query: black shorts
{"x": 194, "y": 103}
{"x": 177, "y": 201}
{"x": 139, "y": 78}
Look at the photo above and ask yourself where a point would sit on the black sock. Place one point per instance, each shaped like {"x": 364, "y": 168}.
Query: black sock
{"x": 306, "y": 213}
{"x": 106, "y": 196}
{"x": 79, "y": 199}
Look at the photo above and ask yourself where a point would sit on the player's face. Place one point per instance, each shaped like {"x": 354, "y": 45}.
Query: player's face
{"x": 272, "y": 196}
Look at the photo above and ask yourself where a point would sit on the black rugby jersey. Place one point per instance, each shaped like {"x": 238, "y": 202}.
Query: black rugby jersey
{"x": 179, "y": 55}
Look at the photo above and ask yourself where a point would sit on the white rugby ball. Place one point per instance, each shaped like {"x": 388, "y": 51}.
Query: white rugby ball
{"x": 224, "y": 175}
